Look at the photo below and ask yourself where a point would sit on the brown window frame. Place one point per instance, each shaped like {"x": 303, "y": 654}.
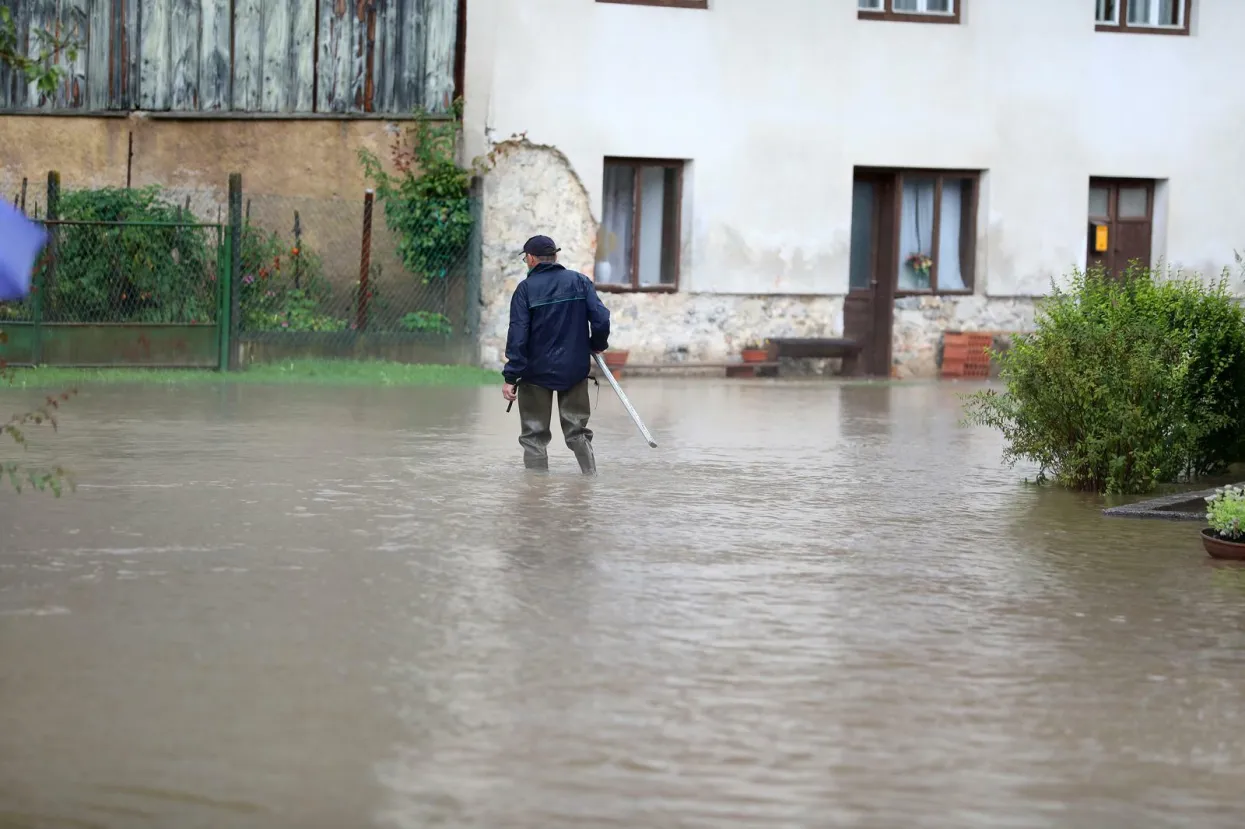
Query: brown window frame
{"x": 668, "y": 4}
{"x": 887, "y": 13}
{"x": 1124, "y": 27}
{"x": 633, "y": 284}
{"x": 968, "y": 235}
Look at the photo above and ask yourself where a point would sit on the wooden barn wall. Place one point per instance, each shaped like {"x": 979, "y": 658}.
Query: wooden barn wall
{"x": 280, "y": 56}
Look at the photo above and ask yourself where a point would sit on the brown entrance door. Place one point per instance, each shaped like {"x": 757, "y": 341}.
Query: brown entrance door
{"x": 1125, "y": 209}
{"x": 869, "y": 308}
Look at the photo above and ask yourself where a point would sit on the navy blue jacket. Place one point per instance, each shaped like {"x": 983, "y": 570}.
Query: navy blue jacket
{"x": 556, "y": 322}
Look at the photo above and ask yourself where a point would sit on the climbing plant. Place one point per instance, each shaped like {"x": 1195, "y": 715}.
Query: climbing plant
{"x": 40, "y": 65}
{"x": 427, "y": 200}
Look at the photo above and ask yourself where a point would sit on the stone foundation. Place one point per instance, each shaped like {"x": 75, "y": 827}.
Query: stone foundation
{"x": 920, "y": 323}
{"x": 533, "y": 189}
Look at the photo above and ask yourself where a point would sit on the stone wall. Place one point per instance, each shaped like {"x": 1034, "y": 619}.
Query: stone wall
{"x": 532, "y": 189}
{"x": 921, "y": 321}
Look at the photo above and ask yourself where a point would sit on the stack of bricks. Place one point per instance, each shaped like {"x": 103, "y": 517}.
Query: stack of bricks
{"x": 965, "y": 356}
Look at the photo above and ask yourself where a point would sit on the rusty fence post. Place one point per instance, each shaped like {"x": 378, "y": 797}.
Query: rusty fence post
{"x": 45, "y": 277}
{"x": 235, "y": 268}
{"x": 365, "y": 261}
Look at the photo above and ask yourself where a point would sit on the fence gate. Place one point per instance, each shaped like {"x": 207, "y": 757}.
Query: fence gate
{"x": 124, "y": 294}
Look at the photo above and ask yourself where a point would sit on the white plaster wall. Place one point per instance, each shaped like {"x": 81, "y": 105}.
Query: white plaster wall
{"x": 776, "y": 100}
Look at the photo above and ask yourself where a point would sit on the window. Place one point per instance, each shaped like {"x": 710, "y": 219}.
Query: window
{"x": 937, "y": 232}
{"x": 918, "y": 11}
{"x": 1143, "y": 16}
{"x": 670, "y": 4}
{"x": 638, "y": 248}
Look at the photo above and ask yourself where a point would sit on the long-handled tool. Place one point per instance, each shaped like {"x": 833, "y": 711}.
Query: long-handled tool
{"x": 623, "y": 397}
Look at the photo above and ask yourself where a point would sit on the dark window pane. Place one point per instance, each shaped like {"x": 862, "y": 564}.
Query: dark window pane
{"x": 613, "y": 266}
{"x": 862, "y": 235}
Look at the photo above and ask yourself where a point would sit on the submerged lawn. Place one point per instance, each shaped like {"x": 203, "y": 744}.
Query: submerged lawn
{"x": 314, "y": 372}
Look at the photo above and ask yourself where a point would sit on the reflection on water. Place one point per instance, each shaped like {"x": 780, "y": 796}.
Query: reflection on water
{"x": 814, "y": 605}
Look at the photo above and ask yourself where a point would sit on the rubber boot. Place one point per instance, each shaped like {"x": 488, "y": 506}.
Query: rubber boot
{"x": 583, "y": 454}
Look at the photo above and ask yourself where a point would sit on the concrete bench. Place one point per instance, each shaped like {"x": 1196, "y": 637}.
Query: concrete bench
{"x": 815, "y": 348}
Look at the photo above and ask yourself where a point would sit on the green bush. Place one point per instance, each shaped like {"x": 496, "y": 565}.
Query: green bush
{"x": 428, "y": 202}
{"x": 137, "y": 272}
{"x": 1124, "y": 384}
{"x": 428, "y": 322}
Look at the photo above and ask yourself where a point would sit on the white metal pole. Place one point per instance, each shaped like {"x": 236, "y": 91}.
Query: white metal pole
{"x": 623, "y": 397}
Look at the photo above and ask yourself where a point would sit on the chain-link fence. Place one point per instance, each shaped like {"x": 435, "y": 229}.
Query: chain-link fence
{"x": 125, "y": 278}
{"x": 131, "y": 272}
{"x": 329, "y": 277}
{"x": 342, "y": 268}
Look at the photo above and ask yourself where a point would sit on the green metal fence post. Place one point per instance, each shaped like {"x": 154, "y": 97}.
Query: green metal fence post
{"x": 475, "y": 266}
{"x": 235, "y": 267}
{"x": 45, "y": 277}
{"x": 224, "y": 266}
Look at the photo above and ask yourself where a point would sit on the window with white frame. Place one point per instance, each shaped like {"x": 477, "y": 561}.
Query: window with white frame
{"x": 1142, "y": 16}
{"x": 924, "y": 11}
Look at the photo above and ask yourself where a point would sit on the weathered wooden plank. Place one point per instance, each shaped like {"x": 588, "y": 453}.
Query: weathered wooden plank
{"x": 214, "y": 48}
{"x": 132, "y": 55}
{"x": 72, "y": 23}
{"x": 303, "y": 54}
{"x": 274, "y": 54}
{"x": 385, "y": 68}
{"x": 12, "y": 85}
{"x": 248, "y": 56}
{"x": 436, "y": 92}
{"x": 339, "y": 70}
{"x": 184, "y": 41}
{"x": 41, "y": 16}
{"x": 410, "y": 94}
{"x": 155, "y": 73}
{"x": 99, "y": 47}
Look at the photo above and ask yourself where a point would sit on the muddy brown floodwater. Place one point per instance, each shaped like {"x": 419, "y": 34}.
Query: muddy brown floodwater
{"x": 813, "y": 606}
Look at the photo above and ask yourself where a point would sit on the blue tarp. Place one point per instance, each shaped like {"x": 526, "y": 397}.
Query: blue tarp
{"x": 20, "y": 243}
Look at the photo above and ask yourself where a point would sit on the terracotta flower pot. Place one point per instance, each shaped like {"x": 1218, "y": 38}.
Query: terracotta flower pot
{"x": 754, "y": 355}
{"x": 1222, "y": 548}
{"x": 615, "y": 360}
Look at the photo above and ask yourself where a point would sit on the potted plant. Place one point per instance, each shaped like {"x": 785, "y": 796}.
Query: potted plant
{"x": 754, "y": 352}
{"x": 1225, "y": 511}
{"x": 615, "y": 359}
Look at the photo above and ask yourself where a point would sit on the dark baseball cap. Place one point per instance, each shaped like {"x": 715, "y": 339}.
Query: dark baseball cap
{"x": 540, "y": 246}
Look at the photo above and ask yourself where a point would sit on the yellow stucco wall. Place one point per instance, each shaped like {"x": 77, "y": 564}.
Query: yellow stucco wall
{"x": 304, "y": 166}
{"x": 307, "y": 158}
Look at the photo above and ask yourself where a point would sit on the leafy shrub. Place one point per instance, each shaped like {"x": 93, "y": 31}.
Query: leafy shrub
{"x": 428, "y": 202}
{"x": 428, "y": 322}
{"x": 137, "y": 272}
{"x": 1225, "y": 511}
{"x": 1124, "y": 384}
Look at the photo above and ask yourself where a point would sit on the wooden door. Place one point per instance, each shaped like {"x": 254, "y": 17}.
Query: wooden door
{"x": 1125, "y": 208}
{"x": 869, "y": 308}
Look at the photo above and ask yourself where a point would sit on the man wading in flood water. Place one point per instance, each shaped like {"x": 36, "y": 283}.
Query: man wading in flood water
{"x": 557, "y": 322}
